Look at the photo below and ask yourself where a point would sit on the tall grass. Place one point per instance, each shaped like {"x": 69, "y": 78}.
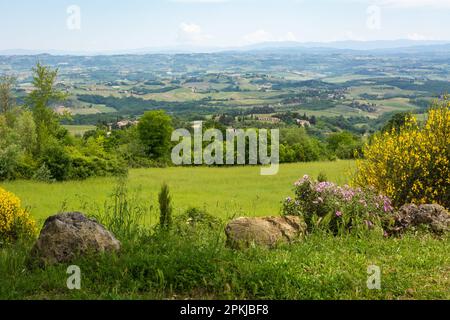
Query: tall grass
{"x": 123, "y": 213}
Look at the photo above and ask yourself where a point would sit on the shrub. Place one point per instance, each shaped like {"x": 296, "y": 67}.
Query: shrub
{"x": 322, "y": 177}
{"x": 336, "y": 208}
{"x": 57, "y": 160}
{"x": 194, "y": 217}
{"x": 411, "y": 164}
{"x": 15, "y": 222}
{"x": 43, "y": 174}
{"x": 165, "y": 208}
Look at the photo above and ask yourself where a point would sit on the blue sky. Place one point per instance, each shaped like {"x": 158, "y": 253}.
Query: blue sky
{"x": 119, "y": 24}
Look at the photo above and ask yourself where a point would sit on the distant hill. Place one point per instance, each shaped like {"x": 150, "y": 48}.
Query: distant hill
{"x": 402, "y": 45}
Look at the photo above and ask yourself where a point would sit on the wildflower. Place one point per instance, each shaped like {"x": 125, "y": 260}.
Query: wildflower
{"x": 387, "y": 206}
{"x": 302, "y": 180}
{"x": 13, "y": 217}
{"x": 339, "y": 214}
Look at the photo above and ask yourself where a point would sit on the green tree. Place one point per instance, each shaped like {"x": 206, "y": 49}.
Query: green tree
{"x": 344, "y": 144}
{"x": 397, "y": 121}
{"x": 155, "y": 131}
{"x": 7, "y": 101}
{"x": 39, "y": 100}
{"x": 26, "y": 131}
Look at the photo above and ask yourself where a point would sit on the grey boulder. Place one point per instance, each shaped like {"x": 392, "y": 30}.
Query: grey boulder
{"x": 67, "y": 236}
{"x": 432, "y": 215}
{"x": 269, "y": 231}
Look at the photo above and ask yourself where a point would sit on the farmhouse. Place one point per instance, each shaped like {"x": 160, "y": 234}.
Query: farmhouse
{"x": 303, "y": 123}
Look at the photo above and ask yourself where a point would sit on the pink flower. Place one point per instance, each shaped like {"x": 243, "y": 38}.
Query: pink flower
{"x": 338, "y": 214}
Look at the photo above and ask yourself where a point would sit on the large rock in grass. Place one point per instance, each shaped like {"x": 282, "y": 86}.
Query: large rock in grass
{"x": 244, "y": 232}
{"x": 432, "y": 215}
{"x": 69, "y": 235}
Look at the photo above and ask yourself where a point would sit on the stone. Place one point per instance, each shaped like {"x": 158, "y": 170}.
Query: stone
{"x": 269, "y": 231}
{"x": 432, "y": 215}
{"x": 67, "y": 236}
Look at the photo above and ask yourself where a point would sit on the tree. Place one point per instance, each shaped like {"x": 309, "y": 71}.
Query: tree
{"x": 344, "y": 144}
{"x": 26, "y": 131}
{"x": 39, "y": 99}
{"x": 6, "y": 98}
{"x": 155, "y": 131}
{"x": 397, "y": 121}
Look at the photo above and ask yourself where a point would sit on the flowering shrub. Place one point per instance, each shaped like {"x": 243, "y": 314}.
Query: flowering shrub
{"x": 411, "y": 165}
{"x": 338, "y": 208}
{"x": 15, "y": 222}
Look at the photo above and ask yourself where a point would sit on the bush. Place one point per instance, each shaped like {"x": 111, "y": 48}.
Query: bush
{"x": 165, "y": 208}
{"x": 57, "y": 160}
{"x": 194, "y": 218}
{"x": 344, "y": 144}
{"x": 15, "y": 222}
{"x": 43, "y": 174}
{"x": 297, "y": 146}
{"x": 336, "y": 208}
{"x": 411, "y": 164}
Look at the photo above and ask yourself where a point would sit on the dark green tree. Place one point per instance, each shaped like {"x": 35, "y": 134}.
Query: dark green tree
{"x": 155, "y": 131}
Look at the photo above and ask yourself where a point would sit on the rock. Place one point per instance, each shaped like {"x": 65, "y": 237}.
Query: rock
{"x": 243, "y": 232}
{"x": 69, "y": 235}
{"x": 433, "y": 215}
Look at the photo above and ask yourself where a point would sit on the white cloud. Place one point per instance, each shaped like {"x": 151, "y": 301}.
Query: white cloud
{"x": 417, "y": 37}
{"x": 290, "y": 36}
{"x": 192, "y": 33}
{"x": 258, "y": 36}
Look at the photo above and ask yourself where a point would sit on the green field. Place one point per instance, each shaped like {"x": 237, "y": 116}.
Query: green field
{"x": 225, "y": 192}
{"x": 196, "y": 264}
{"x": 78, "y": 129}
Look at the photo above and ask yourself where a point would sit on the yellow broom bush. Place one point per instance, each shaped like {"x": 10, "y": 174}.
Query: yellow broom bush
{"x": 15, "y": 222}
{"x": 411, "y": 165}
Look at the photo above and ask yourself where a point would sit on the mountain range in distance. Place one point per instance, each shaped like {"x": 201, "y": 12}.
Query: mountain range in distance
{"x": 402, "y": 45}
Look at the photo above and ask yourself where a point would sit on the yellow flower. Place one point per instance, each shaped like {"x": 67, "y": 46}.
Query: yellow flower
{"x": 411, "y": 165}
{"x": 15, "y": 222}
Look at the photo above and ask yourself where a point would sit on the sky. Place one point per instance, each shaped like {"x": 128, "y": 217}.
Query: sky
{"x": 105, "y": 25}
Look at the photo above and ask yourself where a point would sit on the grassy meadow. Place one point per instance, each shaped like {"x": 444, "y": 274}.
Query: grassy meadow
{"x": 194, "y": 263}
{"x": 224, "y": 192}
